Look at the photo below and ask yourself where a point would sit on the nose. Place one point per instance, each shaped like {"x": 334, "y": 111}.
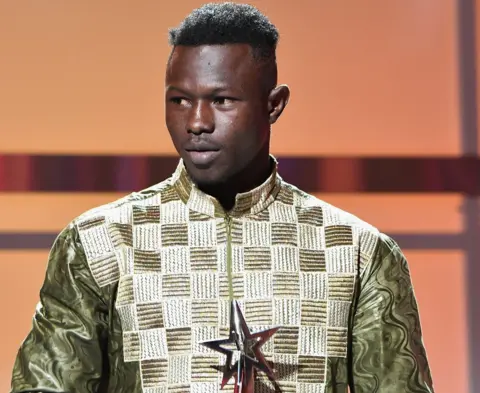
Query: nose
{"x": 200, "y": 118}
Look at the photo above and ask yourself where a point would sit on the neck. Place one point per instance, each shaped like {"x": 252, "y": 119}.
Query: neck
{"x": 249, "y": 178}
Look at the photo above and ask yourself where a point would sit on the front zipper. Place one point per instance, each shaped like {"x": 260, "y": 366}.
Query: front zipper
{"x": 228, "y": 225}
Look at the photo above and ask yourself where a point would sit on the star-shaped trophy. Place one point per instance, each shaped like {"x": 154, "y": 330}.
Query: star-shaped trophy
{"x": 247, "y": 346}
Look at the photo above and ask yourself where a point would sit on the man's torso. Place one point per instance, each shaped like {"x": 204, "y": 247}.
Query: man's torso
{"x": 170, "y": 260}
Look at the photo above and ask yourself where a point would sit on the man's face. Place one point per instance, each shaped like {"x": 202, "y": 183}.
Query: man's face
{"x": 216, "y": 110}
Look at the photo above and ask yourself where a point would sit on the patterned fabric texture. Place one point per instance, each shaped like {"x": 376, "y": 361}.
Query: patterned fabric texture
{"x": 133, "y": 287}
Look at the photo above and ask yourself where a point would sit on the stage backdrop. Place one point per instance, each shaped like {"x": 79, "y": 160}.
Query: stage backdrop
{"x": 381, "y": 118}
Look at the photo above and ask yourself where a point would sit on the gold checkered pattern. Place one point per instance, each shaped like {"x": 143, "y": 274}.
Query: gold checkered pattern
{"x": 295, "y": 260}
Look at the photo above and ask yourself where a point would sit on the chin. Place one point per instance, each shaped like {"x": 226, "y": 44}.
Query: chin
{"x": 207, "y": 177}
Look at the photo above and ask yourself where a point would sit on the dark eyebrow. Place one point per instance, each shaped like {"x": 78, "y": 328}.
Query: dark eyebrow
{"x": 174, "y": 88}
{"x": 220, "y": 89}
{"x": 214, "y": 92}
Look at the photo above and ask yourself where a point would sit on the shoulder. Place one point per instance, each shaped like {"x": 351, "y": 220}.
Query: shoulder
{"x": 100, "y": 230}
{"x": 340, "y": 225}
{"x": 120, "y": 210}
{"x": 331, "y": 214}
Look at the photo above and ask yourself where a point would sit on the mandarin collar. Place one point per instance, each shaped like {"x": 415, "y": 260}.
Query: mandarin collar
{"x": 246, "y": 203}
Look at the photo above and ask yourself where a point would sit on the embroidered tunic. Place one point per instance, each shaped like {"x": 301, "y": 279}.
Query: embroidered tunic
{"x": 134, "y": 286}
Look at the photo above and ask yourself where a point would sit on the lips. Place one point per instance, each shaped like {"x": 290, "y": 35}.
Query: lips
{"x": 202, "y": 158}
{"x": 201, "y": 153}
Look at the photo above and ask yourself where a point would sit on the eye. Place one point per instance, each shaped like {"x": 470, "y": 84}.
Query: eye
{"x": 223, "y": 100}
{"x": 179, "y": 101}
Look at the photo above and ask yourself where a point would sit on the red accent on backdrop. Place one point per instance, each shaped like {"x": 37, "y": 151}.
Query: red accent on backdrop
{"x": 55, "y": 173}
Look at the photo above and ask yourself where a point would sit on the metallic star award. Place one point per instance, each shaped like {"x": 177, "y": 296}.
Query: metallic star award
{"x": 246, "y": 346}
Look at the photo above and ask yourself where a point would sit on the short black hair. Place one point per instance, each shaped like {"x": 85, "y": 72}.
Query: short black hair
{"x": 227, "y": 23}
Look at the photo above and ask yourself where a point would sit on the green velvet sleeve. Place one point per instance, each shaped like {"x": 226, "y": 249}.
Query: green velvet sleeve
{"x": 63, "y": 351}
{"x": 387, "y": 353}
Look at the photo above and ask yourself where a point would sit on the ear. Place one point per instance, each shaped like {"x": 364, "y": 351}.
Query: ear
{"x": 277, "y": 101}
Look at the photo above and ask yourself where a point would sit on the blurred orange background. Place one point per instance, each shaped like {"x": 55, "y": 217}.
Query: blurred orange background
{"x": 368, "y": 79}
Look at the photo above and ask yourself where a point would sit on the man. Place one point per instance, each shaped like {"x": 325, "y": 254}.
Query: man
{"x": 134, "y": 287}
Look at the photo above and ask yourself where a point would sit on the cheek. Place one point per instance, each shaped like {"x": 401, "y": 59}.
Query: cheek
{"x": 257, "y": 127}
{"x": 248, "y": 137}
{"x": 175, "y": 125}
{"x": 170, "y": 117}
{"x": 243, "y": 120}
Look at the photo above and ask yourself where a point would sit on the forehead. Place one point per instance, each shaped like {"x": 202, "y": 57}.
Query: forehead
{"x": 231, "y": 64}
